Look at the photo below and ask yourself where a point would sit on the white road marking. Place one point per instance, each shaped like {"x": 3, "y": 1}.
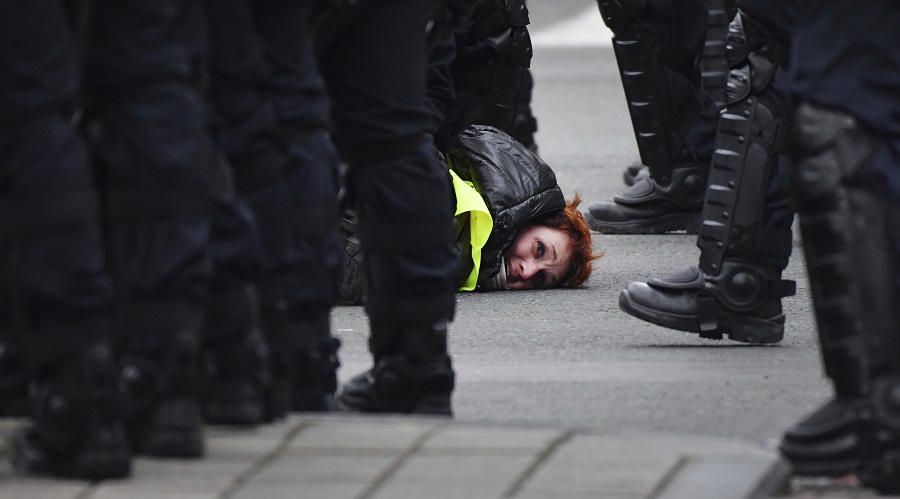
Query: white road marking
{"x": 584, "y": 30}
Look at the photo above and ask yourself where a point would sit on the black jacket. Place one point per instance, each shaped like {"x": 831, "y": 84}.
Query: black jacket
{"x": 516, "y": 185}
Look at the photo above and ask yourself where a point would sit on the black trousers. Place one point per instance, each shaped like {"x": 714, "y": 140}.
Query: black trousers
{"x": 844, "y": 56}
{"x": 149, "y": 133}
{"x": 375, "y": 73}
{"x": 55, "y": 292}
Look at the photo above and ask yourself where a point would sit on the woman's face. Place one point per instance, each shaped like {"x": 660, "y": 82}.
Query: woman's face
{"x": 538, "y": 258}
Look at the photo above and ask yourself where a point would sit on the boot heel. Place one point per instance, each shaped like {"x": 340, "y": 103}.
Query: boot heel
{"x": 753, "y": 330}
{"x": 437, "y": 404}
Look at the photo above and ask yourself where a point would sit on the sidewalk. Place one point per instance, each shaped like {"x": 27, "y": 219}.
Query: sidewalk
{"x": 361, "y": 457}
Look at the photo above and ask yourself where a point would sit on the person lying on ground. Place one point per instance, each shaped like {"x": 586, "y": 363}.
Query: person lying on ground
{"x": 514, "y": 228}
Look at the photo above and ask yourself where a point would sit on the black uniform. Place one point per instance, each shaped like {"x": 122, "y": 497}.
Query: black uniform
{"x": 374, "y": 70}
{"x": 845, "y": 145}
{"x": 745, "y": 238}
{"x": 272, "y": 111}
{"x": 489, "y": 73}
{"x": 146, "y": 123}
{"x": 57, "y": 295}
{"x": 658, "y": 47}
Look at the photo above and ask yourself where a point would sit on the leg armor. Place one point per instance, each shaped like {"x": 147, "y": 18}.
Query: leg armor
{"x": 714, "y": 64}
{"x": 713, "y": 68}
{"x": 489, "y": 68}
{"x": 668, "y": 112}
{"x": 737, "y": 289}
{"x": 647, "y": 69}
{"x": 850, "y": 240}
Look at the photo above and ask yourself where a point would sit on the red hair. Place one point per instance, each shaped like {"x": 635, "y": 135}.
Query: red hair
{"x": 571, "y": 222}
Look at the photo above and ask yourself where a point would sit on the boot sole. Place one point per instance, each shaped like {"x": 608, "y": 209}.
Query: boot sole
{"x": 98, "y": 463}
{"x": 311, "y": 399}
{"x": 246, "y": 415}
{"x": 737, "y": 327}
{"x": 688, "y": 222}
{"x": 170, "y": 443}
{"x": 436, "y": 404}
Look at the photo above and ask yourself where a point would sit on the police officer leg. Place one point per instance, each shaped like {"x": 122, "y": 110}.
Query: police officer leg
{"x": 57, "y": 293}
{"x": 237, "y": 355}
{"x": 713, "y": 68}
{"x": 745, "y": 239}
{"x": 58, "y": 297}
{"x": 488, "y": 72}
{"x": 249, "y": 137}
{"x": 667, "y": 106}
{"x": 850, "y": 239}
{"x": 297, "y": 96}
{"x": 405, "y": 227}
{"x": 149, "y": 132}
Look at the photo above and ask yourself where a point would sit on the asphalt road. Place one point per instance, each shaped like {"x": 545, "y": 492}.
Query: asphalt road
{"x": 571, "y": 357}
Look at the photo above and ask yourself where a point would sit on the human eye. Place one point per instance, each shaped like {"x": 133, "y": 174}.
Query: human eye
{"x": 541, "y": 249}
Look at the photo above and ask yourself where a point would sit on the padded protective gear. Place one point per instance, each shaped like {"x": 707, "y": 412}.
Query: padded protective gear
{"x": 742, "y": 302}
{"x": 159, "y": 388}
{"x": 412, "y": 374}
{"x": 747, "y": 143}
{"x": 859, "y": 435}
{"x": 714, "y": 64}
{"x": 76, "y": 430}
{"x": 646, "y": 65}
{"x": 737, "y": 288}
{"x": 849, "y": 238}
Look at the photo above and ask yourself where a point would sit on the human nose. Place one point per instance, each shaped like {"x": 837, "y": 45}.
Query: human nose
{"x": 527, "y": 268}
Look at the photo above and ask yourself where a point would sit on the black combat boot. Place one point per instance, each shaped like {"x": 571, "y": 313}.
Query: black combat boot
{"x": 314, "y": 362}
{"x": 412, "y": 374}
{"x": 240, "y": 380}
{"x": 651, "y": 207}
{"x": 742, "y": 302}
{"x": 14, "y": 401}
{"x": 77, "y": 430}
{"x": 238, "y": 364}
{"x": 273, "y": 321}
{"x": 851, "y": 435}
{"x": 634, "y": 172}
{"x": 160, "y": 395}
{"x": 745, "y": 238}
{"x": 673, "y": 121}
{"x": 850, "y": 240}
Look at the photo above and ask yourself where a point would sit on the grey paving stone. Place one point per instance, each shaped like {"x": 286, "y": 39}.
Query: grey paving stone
{"x": 299, "y": 468}
{"x": 737, "y": 478}
{"x": 358, "y": 433}
{"x": 572, "y": 494}
{"x": 282, "y": 490}
{"x": 694, "y": 445}
{"x": 236, "y": 448}
{"x": 274, "y": 432}
{"x": 600, "y": 463}
{"x": 492, "y": 438}
{"x": 174, "y": 477}
{"x": 13, "y": 486}
{"x": 116, "y": 493}
{"x": 436, "y": 476}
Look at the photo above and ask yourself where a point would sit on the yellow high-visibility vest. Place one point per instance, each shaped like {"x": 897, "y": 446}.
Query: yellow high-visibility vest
{"x": 468, "y": 200}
